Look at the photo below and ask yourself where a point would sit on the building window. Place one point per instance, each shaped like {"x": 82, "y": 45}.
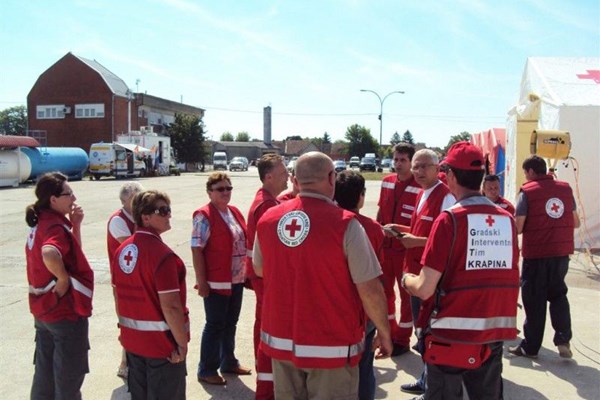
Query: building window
{"x": 89, "y": 110}
{"x": 51, "y": 111}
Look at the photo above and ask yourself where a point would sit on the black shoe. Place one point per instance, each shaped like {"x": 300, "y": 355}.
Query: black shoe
{"x": 413, "y": 388}
{"x": 398, "y": 350}
{"x": 519, "y": 351}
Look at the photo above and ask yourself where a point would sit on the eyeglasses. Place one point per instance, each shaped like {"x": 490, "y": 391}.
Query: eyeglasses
{"x": 163, "y": 211}
{"x": 222, "y": 189}
{"x": 418, "y": 167}
{"x": 69, "y": 193}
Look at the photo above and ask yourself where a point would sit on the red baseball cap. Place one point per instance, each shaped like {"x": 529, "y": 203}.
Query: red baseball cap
{"x": 465, "y": 156}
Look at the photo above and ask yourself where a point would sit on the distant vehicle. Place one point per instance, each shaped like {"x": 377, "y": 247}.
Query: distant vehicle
{"x": 220, "y": 160}
{"x": 370, "y": 155}
{"x": 368, "y": 164}
{"x": 339, "y": 165}
{"x": 115, "y": 159}
{"x": 354, "y": 162}
{"x": 238, "y": 164}
{"x": 386, "y": 162}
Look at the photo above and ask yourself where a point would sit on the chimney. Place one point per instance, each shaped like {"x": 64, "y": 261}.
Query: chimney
{"x": 267, "y": 125}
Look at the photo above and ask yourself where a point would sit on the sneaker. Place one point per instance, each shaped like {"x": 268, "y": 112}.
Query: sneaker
{"x": 421, "y": 397}
{"x": 398, "y": 350}
{"x": 412, "y": 388}
{"x": 564, "y": 350}
{"x": 122, "y": 372}
{"x": 519, "y": 351}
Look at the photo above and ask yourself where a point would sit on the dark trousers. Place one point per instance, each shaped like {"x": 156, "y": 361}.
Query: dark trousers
{"x": 543, "y": 280}
{"x": 415, "y": 305}
{"x": 217, "y": 347}
{"x": 61, "y": 359}
{"x": 366, "y": 375}
{"x": 155, "y": 378}
{"x": 483, "y": 383}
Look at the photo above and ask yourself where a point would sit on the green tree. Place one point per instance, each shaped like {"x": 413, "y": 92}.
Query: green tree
{"x": 326, "y": 138}
{"x": 360, "y": 141}
{"x": 226, "y": 137}
{"x": 242, "y": 137}
{"x": 461, "y": 137}
{"x": 187, "y": 138}
{"x": 13, "y": 121}
{"x": 294, "y": 137}
{"x": 408, "y": 138}
{"x": 395, "y": 139}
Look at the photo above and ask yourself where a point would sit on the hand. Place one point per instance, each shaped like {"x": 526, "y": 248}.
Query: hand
{"x": 61, "y": 287}
{"x": 390, "y": 229}
{"x": 409, "y": 241}
{"x": 178, "y": 355}
{"x": 382, "y": 346}
{"x": 203, "y": 288}
{"x": 76, "y": 214}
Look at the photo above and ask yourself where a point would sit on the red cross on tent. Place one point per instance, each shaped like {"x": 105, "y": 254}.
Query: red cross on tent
{"x": 591, "y": 74}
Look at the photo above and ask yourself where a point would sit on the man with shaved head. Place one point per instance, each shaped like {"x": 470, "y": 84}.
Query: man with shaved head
{"x": 320, "y": 276}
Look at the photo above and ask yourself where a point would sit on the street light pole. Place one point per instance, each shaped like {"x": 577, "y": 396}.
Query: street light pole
{"x": 381, "y": 101}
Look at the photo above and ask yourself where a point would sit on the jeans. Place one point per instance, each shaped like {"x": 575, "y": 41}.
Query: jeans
{"x": 61, "y": 359}
{"x": 366, "y": 375}
{"x": 218, "y": 337}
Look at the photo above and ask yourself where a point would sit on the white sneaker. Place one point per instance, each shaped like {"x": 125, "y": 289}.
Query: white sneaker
{"x": 564, "y": 350}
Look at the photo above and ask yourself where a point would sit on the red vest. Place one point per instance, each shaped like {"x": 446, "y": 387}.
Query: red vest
{"x": 144, "y": 330}
{"x": 374, "y": 233}
{"x": 480, "y": 284}
{"x": 111, "y": 242}
{"x": 285, "y": 196}
{"x": 396, "y": 204}
{"x": 421, "y": 223}
{"x": 548, "y": 229}
{"x": 219, "y": 248}
{"x": 43, "y": 302}
{"x": 262, "y": 202}
{"x": 505, "y": 204}
{"x": 312, "y": 314}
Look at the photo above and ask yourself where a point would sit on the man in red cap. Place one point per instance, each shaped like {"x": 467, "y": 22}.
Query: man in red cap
{"x": 469, "y": 285}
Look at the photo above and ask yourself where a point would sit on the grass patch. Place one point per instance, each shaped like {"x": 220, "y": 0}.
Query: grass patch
{"x": 374, "y": 176}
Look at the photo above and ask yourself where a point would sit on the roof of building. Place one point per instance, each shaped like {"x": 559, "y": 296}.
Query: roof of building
{"x": 16, "y": 141}
{"x": 116, "y": 84}
{"x": 160, "y": 103}
{"x": 261, "y": 145}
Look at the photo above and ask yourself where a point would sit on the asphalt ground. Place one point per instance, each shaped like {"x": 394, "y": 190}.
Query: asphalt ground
{"x": 548, "y": 377}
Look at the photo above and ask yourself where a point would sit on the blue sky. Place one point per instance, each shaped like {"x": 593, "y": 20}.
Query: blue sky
{"x": 459, "y": 62}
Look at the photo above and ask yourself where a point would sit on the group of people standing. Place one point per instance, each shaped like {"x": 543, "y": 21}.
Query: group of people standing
{"x": 323, "y": 275}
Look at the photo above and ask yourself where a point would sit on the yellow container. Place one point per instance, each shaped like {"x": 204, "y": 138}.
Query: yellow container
{"x": 550, "y": 144}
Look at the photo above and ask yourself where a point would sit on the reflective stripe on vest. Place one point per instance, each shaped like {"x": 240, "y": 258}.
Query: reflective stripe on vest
{"x": 143, "y": 325}
{"x": 408, "y": 324}
{"x": 219, "y": 285}
{"x": 473, "y": 324}
{"x": 39, "y": 291}
{"x": 312, "y": 351}
{"x": 388, "y": 185}
{"x": 405, "y": 215}
{"x": 413, "y": 189}
{"x": 263, "y": 376}
{"x": 80, "y": 287}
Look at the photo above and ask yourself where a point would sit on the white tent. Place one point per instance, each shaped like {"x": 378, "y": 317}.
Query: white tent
{"x": 561, "y": 94}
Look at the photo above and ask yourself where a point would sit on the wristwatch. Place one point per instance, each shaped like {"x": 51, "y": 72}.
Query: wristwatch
{"x": 403, "y": 281}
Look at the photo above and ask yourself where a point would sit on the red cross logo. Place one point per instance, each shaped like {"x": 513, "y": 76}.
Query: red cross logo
{"x": 591, "y": 74}
{"x": 128, "y": 257}
{"x": 490, "y": 221}
{"x": 555, "y": 207}
{"x": 292, "y": 228}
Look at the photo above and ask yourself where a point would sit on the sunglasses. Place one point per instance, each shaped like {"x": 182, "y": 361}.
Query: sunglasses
{"x": 69, "y": 193}
{"x": 163, "y": 211}
{"x": 222, "y": 189}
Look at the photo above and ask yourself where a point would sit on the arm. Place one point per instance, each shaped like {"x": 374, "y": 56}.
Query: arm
{"x": 170, "y": 304}
{"x": 54, "y": 262}
{"x": 257, "y": 258}
{"x": 576, "y": 221}
{"x": 422, "y": 285}
{"x": 76, "y": 217}
{"x": 375, "y": 305}
{"x": 200, "y": 270}
{"x": 520, "y": 222}
{"x": 409, "y": 241}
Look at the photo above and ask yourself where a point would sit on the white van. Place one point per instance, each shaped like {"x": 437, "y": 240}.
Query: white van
{"x": 220, "y": 160}
{"x": 120, "y": 160}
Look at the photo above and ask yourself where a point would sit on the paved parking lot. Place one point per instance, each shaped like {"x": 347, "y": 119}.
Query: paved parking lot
{"x": 548, "y": 377}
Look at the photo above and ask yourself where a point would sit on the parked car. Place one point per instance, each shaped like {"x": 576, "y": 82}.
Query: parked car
{"x": 367, "y": 164}
{"x": 339, "y": 165}
{"x": 354, "y": 162}
{"x": 386, "y": 162}
{"x": 238, "y": 164}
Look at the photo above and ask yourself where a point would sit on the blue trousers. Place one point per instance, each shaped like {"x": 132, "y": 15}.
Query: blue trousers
{"x": 217, "y": 346}
{"x": 366, "y": 375}
{"x": 61, "y": 359}
{"x": 543, "y": 280}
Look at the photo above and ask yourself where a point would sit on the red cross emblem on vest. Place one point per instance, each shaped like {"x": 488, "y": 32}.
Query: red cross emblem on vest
{"x": 555, "y": 208}
{"x": 293, "y": 227}
{"x": 128, "y": 258}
